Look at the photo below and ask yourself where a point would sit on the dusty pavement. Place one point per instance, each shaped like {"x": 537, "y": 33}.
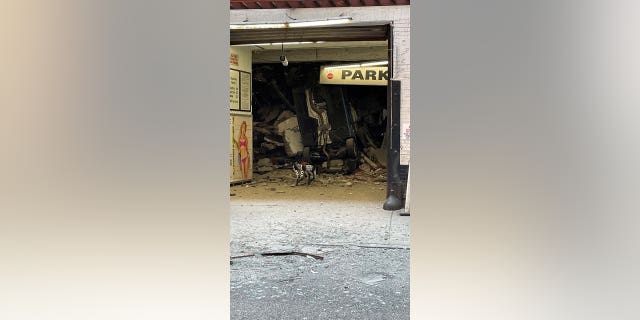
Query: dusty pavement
{"x": 362, "y": 265}
{"x": 279, "y": 184}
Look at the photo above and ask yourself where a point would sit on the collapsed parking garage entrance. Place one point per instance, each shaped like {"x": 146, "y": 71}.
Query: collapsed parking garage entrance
{"x": 300, "y": 110}
{"x": 339, "y": 128}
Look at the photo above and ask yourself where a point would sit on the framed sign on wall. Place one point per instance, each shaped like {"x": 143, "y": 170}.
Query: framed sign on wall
{"x": 245, "y": 91}
{"x": 240, "y": 90}
{"x": 234, "y": 89}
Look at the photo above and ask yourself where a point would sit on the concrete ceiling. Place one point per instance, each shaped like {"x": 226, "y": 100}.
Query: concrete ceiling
{"x": 325, "y": 52}
{"x": 335, "y": 45}
{"x": 350, "y": 42}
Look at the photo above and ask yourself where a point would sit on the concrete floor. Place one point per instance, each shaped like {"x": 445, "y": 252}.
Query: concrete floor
{"x": 363, "y": 273}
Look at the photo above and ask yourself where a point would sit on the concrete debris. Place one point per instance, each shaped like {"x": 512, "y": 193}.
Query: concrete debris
{"x": 264, "y": 169}
{"x": 268, "y": 146}
{"x": 374, "y": 155}
{"x": 257, "y": 128}
{"x": 365, "y": 167}
{"x": 293, "y": 142}
{"x": 293, "y": 114}
{"x": 264, "y": 162}
{"x": 264, "y": 165}
{"x": 369, "y": 162}
{"x": 289, "y": 123}
{"x": 361, "y": 178}
{"x": 284, "y": 116}
{"x": 373, "y": 279}
{"x": 274, "y": 141}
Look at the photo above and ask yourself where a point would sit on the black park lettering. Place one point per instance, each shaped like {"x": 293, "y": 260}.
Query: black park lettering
{"x": 369, "y": 75}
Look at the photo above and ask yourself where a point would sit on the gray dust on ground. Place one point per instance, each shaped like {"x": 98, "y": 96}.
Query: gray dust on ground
{"x": 357, "y": 267}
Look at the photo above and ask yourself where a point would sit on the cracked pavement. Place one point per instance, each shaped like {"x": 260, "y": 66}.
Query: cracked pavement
{"x": 364, "y": 273}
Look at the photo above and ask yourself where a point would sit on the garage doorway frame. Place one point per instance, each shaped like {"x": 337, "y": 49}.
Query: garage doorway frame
{"x": 395, "y": 186}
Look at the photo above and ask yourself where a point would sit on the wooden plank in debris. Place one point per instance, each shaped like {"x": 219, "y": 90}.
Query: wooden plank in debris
{"x": 315, "y": 256}
{"x": 369, "y": 161}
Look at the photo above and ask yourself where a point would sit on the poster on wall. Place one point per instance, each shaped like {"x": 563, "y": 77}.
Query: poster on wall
{"x": 234, "y": 90}
{"x": 241, "y": 147}
{"x": 231, "y": 153}
{"x": 245, "y": 91}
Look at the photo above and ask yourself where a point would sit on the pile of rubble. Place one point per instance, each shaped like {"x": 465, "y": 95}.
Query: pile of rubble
{"x": 277, "y": 141}
{"x": 348, "y": 130}
{"x": 285, "y": 176}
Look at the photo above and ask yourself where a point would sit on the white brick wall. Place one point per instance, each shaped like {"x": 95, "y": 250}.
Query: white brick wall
{"x": 402, "y": 72}
{"x": 399, "y": 15}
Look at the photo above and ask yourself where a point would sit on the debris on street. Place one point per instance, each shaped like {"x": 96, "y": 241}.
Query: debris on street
{"x": 315, "y": 256}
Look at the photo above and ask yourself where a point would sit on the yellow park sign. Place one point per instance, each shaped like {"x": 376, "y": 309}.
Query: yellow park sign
{"x": 355, "y": 75}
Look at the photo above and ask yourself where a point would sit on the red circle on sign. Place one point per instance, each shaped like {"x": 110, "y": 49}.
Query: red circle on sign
{"x": 330, "y": 75}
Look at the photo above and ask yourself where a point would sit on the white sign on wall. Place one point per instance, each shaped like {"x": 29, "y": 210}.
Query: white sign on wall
{"x": 366, "y": 76}
{"x": 234, "y": 90}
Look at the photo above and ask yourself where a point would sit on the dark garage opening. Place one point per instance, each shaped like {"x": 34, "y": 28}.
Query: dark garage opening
{"x": 368, "y": 142}
{"x": 340, "y": 128}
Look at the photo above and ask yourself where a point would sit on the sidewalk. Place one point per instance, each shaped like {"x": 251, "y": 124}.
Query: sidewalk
{"x": 361, "y": 270}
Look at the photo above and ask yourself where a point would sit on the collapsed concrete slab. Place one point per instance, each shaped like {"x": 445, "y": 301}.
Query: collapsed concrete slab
{"x": 287, "y": 124}
{"x": 292, "y": 141}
